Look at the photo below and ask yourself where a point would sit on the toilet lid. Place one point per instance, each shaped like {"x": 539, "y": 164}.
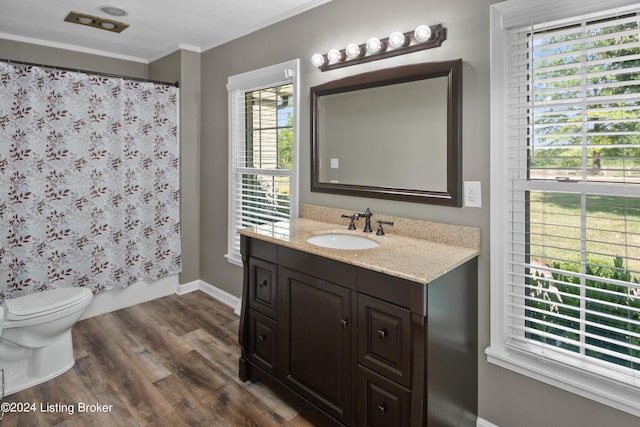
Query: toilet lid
{"x": 45, "y": 302}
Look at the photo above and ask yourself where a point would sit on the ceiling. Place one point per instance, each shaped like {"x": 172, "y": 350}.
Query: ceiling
{"x": 156, "y": 27}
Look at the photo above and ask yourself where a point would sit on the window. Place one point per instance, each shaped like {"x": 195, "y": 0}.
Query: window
{"x": 263, "y": 107}
{"x": 565, "y": 208}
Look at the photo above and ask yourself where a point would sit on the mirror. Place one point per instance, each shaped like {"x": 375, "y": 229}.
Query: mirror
{"x": 390, "y": 134}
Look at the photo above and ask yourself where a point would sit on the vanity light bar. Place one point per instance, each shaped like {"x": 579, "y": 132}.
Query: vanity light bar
{"x": 423, "y": 37}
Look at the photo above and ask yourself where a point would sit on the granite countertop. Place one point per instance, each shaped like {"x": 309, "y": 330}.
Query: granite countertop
{"x": 409, "y": 258}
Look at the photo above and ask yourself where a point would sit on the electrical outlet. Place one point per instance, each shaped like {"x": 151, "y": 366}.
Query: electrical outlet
{"x": 472, "y": 194}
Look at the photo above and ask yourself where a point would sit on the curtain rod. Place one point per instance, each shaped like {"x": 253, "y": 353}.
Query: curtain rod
{"x": 95, "y": 73}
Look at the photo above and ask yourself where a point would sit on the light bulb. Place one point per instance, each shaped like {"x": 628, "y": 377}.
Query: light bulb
{"x": 318, "y": 60}
{"x": 396, "y": 39}
{"x": 422, "y": 33}
{"x": 107, "y": 25}
{"x": 353, "y": 50}
{"x": 335, "y": 55}
{"x": 373, "y": 45}
{"x": 85, "y": 20}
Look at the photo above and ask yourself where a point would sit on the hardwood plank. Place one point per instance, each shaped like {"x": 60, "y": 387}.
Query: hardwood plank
{"x": 139, "y": 355}
{"x": 187, "y": 408}
{"x": 91, "y": 375}
{"x": 225, "y": 357}
{"x": 112, "y": 366}
{"x": 159, "y": 340}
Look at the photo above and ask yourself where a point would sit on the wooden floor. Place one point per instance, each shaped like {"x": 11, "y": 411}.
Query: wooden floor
{"x": 169, "y": 362}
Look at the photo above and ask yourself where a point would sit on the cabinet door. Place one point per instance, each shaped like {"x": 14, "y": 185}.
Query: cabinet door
{"x": 263, "y": 288}
{"x": 384, "y": 340}
{"x": 263, "y": 343}
{"x": 315, "y": 338}
{"x": 381, "y": 403}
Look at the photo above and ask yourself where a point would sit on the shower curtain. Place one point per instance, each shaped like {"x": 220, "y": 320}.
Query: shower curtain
{"x": 89, "y": 181}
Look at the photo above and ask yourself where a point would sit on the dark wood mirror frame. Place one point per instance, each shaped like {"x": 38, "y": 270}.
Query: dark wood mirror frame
{"x": 450, "y": 69}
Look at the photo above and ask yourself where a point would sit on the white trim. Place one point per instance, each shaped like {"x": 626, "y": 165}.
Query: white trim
{"x": 518, "y": 13}
{"x": 240, "y": 84}
{"x": 141, "y": 292}
{"x": 223, "y": 296}
{"x": 273, "y": 20}
{"x": 72, "y": 48}
{"x": 481, "y": 422}
{"x": 171, "y": 50}
{"x": 497, "y": 166}
{"x": 266, "y": 75}
{"x": 137, "y": 293}
{"x": 190, "y": 47}
{"x": 185, "y": 288}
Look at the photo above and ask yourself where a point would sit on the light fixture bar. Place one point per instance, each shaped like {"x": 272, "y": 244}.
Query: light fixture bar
{"x": 385, "y": 50}
{"x": 95, "y": 22}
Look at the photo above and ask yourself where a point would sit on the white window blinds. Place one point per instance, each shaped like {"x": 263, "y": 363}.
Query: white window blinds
{"x": 567, "y": 300}
{"x": 262, "y": 149}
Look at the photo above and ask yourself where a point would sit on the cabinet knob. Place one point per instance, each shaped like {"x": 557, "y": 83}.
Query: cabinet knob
{"x": 382, "y": 408}
{"x": 382, "y": 333}
{"x": 264, "y": 283}
{"x": 262, "y": 337}
{"x": 344, "y": 323}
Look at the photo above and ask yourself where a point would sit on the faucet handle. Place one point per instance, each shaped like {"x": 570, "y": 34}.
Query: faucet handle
{"x": 380, "y": 231}
{"x": 355, "y": 216}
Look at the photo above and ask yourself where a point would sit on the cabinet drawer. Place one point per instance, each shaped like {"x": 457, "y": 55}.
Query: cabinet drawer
{"x": 381, "y": 403}
{"x": 263, "y": 287}
{"x": 263, "y": 343}
{"x": 384, "y": 338}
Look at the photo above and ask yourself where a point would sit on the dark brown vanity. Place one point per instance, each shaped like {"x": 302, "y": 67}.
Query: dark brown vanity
{"x": 347, "y": 341}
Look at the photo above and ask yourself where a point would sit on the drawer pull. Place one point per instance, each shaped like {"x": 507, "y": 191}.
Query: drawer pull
{"x": 262, "y": 338}
{"x": 382, "y": 333}
{"x": 344, "y": 323}
{"x": 264, "y": 283}
{"x": 382, "y": 408}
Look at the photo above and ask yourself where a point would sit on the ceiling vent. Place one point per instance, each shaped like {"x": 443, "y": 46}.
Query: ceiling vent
{"x": 96, "y": 22}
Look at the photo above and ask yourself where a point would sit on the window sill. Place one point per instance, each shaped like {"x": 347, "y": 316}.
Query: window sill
{"x": 234, "y": 259}
{"x": 591, "y": 386}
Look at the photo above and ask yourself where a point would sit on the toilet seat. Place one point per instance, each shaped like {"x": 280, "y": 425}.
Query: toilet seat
{"x": 43, "y": 303}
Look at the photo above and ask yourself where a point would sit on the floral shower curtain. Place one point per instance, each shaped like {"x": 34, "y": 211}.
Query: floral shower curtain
{"x": 89, "y": 181}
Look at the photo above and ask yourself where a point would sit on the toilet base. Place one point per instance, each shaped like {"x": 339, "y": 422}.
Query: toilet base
{"x": 39, "y": 366}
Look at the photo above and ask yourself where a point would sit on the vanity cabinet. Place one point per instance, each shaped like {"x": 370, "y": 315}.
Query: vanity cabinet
{"x": 350, "y": 346}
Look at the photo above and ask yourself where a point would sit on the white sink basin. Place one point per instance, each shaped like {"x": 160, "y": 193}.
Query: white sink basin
{"x": 342, "y": 241}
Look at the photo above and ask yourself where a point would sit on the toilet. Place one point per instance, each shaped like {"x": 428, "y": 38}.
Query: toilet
{"x": 35, "y": 335}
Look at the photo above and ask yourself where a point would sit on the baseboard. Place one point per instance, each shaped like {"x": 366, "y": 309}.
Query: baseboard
{"x": 140, "y": 292}
{"x": 213, "y": 291}
{"x": 137, "y": 293}
{"x": 481, "y": 422}
{"x": 185, "y": 288}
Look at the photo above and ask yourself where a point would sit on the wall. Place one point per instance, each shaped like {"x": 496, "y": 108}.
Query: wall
{"x": 19, "y": 51}
{"x": 184, "y": 66}
{"x": 506, "y": 399}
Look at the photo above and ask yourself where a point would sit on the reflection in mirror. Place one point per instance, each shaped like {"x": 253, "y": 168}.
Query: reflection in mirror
{"x": 347, "y": 135}
{"x": 390, "y": 134}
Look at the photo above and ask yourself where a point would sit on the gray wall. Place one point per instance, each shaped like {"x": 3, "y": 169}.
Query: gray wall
{"x": 506, "y": 399}
{"x": 184, "y": 66}
{"x": 28, "y": 52}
